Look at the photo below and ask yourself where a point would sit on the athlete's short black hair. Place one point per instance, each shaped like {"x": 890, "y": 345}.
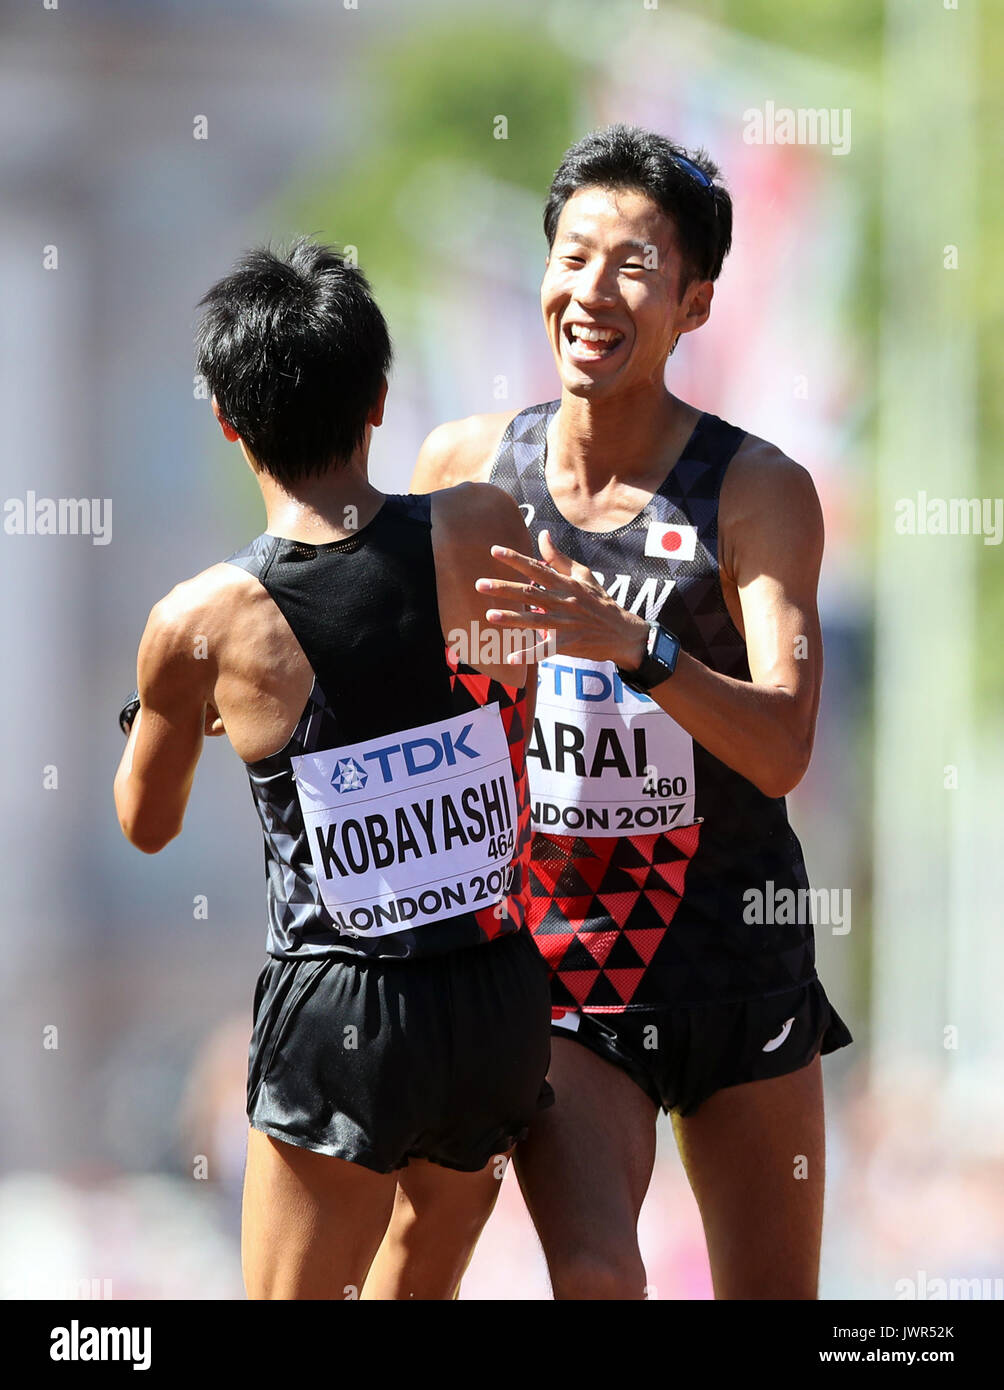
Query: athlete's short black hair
{"x": 685, "y": 185}
{"x": 295, "y": 350}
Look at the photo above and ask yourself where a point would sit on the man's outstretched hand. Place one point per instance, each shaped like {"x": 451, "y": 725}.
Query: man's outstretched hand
{"x": 586, "y": 620}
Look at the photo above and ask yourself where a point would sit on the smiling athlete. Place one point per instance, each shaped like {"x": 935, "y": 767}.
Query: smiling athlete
{"x": 679, "y": 558}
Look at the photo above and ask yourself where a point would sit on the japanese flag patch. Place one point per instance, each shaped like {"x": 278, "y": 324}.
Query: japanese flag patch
{"x": 671, "y": 542}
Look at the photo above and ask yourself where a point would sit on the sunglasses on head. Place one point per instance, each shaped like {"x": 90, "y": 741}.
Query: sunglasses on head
{"x": 698, "y": 174}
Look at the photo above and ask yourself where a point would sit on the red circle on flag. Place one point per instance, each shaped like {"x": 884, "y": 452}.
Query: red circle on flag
{"x": 672, "y": 540}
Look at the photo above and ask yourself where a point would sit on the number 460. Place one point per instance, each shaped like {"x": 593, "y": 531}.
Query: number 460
{"x": 654, "y": 785}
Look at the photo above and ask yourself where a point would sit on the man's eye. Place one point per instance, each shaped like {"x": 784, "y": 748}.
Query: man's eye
{"x": 573, "y": 260}
{"x": 633, "y": 265}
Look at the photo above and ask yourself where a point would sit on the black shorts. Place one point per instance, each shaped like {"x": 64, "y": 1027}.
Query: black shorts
{"x": 681, "y": 1054}
{"x": 380, "y": 1061}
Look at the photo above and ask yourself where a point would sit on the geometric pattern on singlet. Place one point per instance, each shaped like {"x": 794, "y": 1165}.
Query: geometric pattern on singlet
{"x": 472, "y": 690}
{"x": 690, "y": 495}
{"x": 573, "y": 882}
{"x": 638, "y": 920}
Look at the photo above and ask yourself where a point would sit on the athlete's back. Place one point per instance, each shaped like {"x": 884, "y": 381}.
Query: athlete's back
{"x": 396, "y": 812}
{"x": 402, "y": 1013}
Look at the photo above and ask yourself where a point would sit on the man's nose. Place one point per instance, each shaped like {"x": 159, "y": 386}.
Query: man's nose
{"x": 597, "y": 285}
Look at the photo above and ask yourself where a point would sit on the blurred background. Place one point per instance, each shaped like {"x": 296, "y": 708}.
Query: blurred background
{"x": 857, "y": 325}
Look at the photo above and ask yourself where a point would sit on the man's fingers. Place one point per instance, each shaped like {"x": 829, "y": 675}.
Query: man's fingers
{"x": 552, "y": 556}
{"x": 502, "y": 617}
{"x": 559, "y": 561}
{"x": 545, "y": 645}
{"x": 532, "y": 595}
{"x": 535, "y": 570}
{"x": 554, "y": 572}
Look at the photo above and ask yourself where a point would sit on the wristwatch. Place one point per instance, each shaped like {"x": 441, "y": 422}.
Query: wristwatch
{"x": 658, "y": 663}
{"x": 128, "y": 715}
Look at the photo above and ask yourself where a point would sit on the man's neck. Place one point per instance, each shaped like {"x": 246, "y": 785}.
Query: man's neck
{"x": 628, "y": 435}
{"x": 330, "y": 507}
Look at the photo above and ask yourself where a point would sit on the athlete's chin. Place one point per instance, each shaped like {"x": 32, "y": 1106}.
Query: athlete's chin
{"x": 596, "y": 378}
{"x": 606, "y": 382}
{"x": 590, "y": 387}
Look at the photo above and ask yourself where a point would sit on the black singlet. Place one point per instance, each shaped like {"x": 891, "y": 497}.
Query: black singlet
{"x": 396, "y": 817}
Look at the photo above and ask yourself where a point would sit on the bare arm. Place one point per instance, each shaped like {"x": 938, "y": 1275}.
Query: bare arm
{"x": 467, "y": 521}
{"x": 463, "y": 451}
{"x": 762, "y": 729}
{"x": 154, "y": 778}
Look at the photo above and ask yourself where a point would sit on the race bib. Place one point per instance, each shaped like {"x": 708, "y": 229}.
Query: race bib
{"x": 411, "y": 828}
{"x": 605, "y": 760}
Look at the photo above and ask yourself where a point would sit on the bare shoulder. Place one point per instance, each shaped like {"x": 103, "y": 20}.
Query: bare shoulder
{"x": 472, "y": 517}
{"x": 199, "y": 610}
{"x": 762, "y": 480}
{"x": 475, "y": 505}
{"x": 769, "y": 514}
{"x": 219, "y": 587}
{"x": 460, "y": 451}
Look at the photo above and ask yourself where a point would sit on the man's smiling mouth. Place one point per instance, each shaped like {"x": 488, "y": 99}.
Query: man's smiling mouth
{"x": 590, "y": 343}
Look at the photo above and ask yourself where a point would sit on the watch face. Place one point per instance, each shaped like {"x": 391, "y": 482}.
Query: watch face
{"x": 665, "y": 649}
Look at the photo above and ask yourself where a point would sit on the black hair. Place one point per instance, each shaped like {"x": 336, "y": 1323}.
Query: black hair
{"x": 295, "y": 349}
{"x": 685, "y": 185}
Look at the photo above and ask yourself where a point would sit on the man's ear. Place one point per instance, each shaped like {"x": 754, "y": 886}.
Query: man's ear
{"x": 699, "y": 307}
{"x": 375, "y": 417}
{"x": 229, "y": 433}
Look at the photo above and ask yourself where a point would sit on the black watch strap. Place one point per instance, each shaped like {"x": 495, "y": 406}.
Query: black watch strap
{"x": 128, "y": 713}
{"x": 658, "y": 663}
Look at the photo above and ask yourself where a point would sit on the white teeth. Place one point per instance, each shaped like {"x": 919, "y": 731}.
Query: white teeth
{"x": 594, "y": 335}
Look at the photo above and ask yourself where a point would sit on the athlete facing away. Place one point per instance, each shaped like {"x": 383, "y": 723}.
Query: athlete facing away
{"x": 402, "y": 1018}
{"x": 678, "y": 563}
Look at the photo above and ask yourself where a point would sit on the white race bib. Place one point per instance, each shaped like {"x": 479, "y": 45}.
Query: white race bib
{"x": 605, "y": 760}
{"x": 411, "y": 828}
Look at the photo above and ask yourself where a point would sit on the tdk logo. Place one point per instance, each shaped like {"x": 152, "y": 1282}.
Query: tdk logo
{"x": 588, "y": 686}
{"x": 422, "y": 754}
{"x": 348, "y": 776}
